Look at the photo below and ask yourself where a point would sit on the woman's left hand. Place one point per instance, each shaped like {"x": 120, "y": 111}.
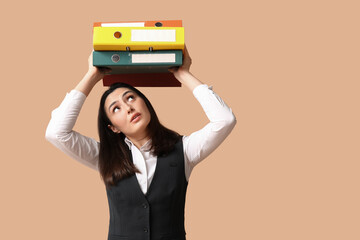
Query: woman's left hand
{"x": 185, "y": 67}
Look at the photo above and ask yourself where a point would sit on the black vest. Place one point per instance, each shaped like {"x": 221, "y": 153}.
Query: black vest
{"x": 158, "y": 215}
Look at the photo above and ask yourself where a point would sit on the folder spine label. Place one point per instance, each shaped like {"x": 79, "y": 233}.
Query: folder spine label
{"x": 154, "y": 58}
{"x": 134, "y": 24}
{"x": 153, "y": 35}
{"x": 156, "y": 23}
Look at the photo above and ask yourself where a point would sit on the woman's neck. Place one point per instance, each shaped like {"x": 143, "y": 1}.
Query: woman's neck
{"x": 139, "y": 141}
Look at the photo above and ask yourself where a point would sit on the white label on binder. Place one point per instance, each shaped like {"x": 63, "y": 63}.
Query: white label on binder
{"x": 153, "y": 58}
{"x": 153, "y": 35}
{"x": 138, "y": 24}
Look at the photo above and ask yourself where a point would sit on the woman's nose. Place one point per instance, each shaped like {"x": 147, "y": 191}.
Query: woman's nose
{"x": 129, "y": 108}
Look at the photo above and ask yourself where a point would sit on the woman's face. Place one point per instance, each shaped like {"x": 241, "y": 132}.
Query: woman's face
{"x": 127, "y": 112}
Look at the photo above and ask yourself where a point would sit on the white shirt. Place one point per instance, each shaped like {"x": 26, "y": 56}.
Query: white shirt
{"x": 197, "y": 146}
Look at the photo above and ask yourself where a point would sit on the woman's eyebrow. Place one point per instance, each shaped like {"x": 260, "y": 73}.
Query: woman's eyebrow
{"x": 112, "y": 104}
{"x": 126, "y": 93}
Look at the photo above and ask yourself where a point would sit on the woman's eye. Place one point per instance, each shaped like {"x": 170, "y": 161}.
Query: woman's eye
{"x": 130, "y": 98}
{"x": 116, "y": 109}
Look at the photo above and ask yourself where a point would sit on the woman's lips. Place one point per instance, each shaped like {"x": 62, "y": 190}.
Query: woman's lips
{"x": 135, "y": 117}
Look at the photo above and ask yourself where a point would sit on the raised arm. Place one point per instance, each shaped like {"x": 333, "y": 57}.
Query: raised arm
{"x": 93, "y": 76}
{"x": 199, "y": 144}
{"x": 60, "y": 131}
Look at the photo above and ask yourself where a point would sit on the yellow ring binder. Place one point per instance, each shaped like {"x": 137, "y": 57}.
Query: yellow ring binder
{"x": 138, "y": 38}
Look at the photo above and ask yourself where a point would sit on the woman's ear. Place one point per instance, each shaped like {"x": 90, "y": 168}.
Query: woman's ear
{"x": 114, "y": 129}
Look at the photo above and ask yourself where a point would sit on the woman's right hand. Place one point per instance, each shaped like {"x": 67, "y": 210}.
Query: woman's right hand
{"x": 96, "y": 72}
{"x": 93, "y": 76}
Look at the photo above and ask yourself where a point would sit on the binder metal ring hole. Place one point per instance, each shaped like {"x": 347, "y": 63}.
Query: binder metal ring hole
{"x": 117, "y": 35}
{"x": 158, "y": 24}
{"x": 115, "y": 58}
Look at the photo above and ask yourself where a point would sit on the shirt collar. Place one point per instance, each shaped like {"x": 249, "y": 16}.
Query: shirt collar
{"x": 146, "y": 147}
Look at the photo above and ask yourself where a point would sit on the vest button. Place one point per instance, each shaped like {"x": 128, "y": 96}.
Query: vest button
{"x": 146, "y": 230}
{"x": 144, "y": 205}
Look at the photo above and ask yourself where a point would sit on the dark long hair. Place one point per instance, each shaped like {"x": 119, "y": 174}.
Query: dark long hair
{"x": 115, "y": 161}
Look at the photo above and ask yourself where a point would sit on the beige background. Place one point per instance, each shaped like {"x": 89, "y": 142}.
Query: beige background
{"x": 288, "y": 69}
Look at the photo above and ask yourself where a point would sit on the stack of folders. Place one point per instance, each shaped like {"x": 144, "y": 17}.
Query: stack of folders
{"x": 139, "y": 53}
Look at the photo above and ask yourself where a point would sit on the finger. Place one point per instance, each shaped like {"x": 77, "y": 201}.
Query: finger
{"x": 104, "y": 70}
{"x": 107, "y": 70}
{"x": 186, "y": 53}
{"x": 173, "y": 69}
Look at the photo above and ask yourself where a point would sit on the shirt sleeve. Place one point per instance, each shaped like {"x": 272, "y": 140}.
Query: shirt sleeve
{"x": 199, "y": 144}
{"x": 60, "y": 131}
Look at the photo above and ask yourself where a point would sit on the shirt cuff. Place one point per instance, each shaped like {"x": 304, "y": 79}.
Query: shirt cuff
{"x": 77, "y": 94}
{"x": 214, "y": 107}
{"x": 203, "y": 87}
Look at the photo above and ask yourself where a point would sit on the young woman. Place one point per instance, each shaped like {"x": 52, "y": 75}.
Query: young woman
{"x": 145, "y": 166}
